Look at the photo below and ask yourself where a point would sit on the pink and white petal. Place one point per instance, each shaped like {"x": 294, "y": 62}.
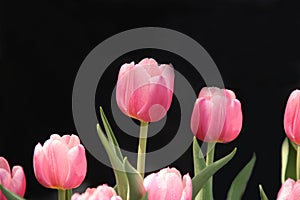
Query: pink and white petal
{"x": 71, "y": 140}
{"x": 125, "y": 68}
{"x": 39, "y": 165}
{"x": 296, "y": 191}
{"x": 148, "y": 61}
{"x": 174, "y": 184}
{"x": 155, "y": 187}
{"x": 78, "y": 167}
{"x": 58, "y": 164}
{"x": 230, "y": 94}
{"x": 4, "y": 164}
{"x": 167, "y": 73}
{"x": 55, "y": 137}
{"x": 187, "y": 188}
{"x": 5, "y": 178}
{"x": 18, "y": 183}
{"x": 286, "y": 190}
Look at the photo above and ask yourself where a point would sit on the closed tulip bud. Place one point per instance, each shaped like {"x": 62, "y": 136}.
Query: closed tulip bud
{"x": 60, "y": 163}
{"x": 144, "y": 91}
{"x": 168, "y": 184}
{"x": 101, "y": 192}
{"x": 290, "y": 190}
{"x": 13, "y": 180}
{"x": 292, "y": 117}
{"x": 217, "y": 115}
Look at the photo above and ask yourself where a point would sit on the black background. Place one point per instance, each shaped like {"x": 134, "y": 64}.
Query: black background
{"x": 254, "y": 43}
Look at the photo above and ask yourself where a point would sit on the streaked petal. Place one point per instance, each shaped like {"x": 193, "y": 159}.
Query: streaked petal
{"x": 18, "y": 183}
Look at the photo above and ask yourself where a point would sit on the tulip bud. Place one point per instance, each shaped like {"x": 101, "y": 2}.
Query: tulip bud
{"x": 144, "y": 91}
{"x": 290, "y": 190}
{"x": 168, "y": 184}
{"x": 101, "y": 192}
{"x": 292, "y": 117}
{"x": 60, "y": 163}
{"x": 217, "y": 115}
{"x": 14, "y": 181}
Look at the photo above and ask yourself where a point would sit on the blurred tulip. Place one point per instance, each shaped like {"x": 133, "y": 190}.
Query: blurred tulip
{"x": 60, "y": 163}
{"x": 144, "y": 91}
{"x": 14, "y": 181}
{"x": 102, "y": 192}
{"x": 217, "y": 115}
{"x": 290, "y": 190}
{"x": 292, "y": 117}
{"x": 168, "y": 184}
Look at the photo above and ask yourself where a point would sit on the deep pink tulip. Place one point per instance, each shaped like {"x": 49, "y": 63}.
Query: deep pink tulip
{"x": 14, "y": 181}
{"x": 144, "y": 91}
{"x": 290, "y": 190}
{"x": 60, "y": 163}
{"x": 217, "y": 115}
{"x": 292, "y": 117}
{"x": 168, "y": 184}
{"x": 102, "y": 192}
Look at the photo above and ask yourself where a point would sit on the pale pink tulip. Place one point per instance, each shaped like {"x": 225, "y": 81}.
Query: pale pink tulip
{"x": 292, "y": 117}
{"x": 217, "y": 115}
{"x": 168, "y": 184}
{"x": 14, "y": 181}
{"x": 60, "y": 163}
{"x": 102, "y": 192}
{"x": 144, "y": 91}
{"x": 290, "y": 190}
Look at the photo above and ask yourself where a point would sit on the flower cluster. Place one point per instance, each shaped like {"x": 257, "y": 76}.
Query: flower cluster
{"x": 144, "y": 92}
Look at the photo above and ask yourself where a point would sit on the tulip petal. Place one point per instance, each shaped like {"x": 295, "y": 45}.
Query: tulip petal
{"x": 187, "y": 188}
{"x": 18, "y": 183}
{"x": 78, "y": 167}
{"x": 71, "y": 140}
{"x": 39, "y": 166}
{"x": 174, "y": 184}
{"x": 286, "y": 190}
{"x": 296, "y": 191}
{"x": 4, "y": 164}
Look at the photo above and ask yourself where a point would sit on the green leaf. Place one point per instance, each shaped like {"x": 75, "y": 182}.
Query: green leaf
{"x": 200, "y": 179}
{"x": 111, "y": 137}
{"x": 145, "y": 197}
{"x": 9, "y": 194}
{"x": 121, "y": 178}
{"x": 135, "y": 182}
{"x": 239, "y": 184}
{"x": 263, "y": 195}
{"x": 288, "y": 160}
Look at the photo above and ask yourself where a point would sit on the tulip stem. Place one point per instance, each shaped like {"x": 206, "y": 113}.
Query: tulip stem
{"x": 61, "y": 194}
{"x": 298, "y": 163}
{"x": 141, "y": 159}
{"x": 208, "y": 188}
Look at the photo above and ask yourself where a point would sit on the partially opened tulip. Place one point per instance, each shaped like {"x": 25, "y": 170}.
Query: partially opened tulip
{"x": 217, "y": 115}
{"x": 13, "y": 180}
{"x": 102, "y": 192}
{"x": 292, "y": 117}
{"x": 60, "y": 163}
{"x": 290, "y": 190}
{"x": 168, "y": 184}
{"x": 144, "y": 90}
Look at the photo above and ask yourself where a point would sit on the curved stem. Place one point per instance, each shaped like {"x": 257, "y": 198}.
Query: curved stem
{"x": 208, "y": 188}
{"x": 142, "y": 148}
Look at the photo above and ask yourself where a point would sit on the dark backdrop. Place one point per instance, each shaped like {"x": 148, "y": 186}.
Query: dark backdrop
{"x": 254, "y": 43}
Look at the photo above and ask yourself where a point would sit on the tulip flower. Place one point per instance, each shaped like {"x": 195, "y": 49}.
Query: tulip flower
{"x": 217, "y": 115}
{"x": 144, "y": 91}
{"x": 13, "y": 180}
{"x": 168, "y": 184}
{"x": 292, "y": 117}
{"x": 102, "y": 192}
{"x": 290, "y": 190}
{"x": 60, "y": 163}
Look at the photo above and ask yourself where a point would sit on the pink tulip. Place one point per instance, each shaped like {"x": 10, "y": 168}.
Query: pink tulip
{"x": 60, "y": 163}
{"x": 292, "y": 117}
{"x": 217, "y": 115}
{"x": 144, "y": 91}
{"x": 290, "y": 190}
{"x": 168, "y": 184}
{"x": 14, "y": 181}
{"x": 102, "y": 192}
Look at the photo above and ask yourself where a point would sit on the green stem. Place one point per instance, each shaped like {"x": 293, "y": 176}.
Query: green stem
{"x": 68, "y": 194}
{"x": 298, "y": 163}
{"x": 208, "y": 191}
{"x": 61, "y": 194}
{"x": 141, "y": 159}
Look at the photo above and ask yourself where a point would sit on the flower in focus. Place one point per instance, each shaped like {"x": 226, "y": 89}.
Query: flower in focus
{"x": 60, "y": 163}
{"x": 217, "y": 115}
{"x": 168, "y": 184}
{"x": 292, "y": 117}
{"x": 144, "y": 91}
{"x": 13, "y": 180}
{"x": 102, "y": 192}
{"x": 290, "y": 190}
